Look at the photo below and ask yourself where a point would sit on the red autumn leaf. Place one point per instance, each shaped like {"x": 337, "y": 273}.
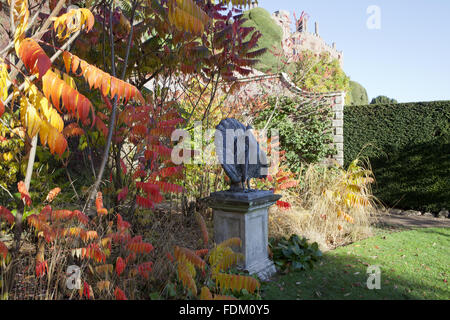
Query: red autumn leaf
{"x": 283, "y": 205}
{"x": 86, "y": 290}
{"x": 145, "y": 268}
{"x": 2, "y": 108}
{"x": 120, "y": 266}
{"x": 122, "y": 194}
{"x": 6, "y": 215}
{"x": 122, "y": 224}
{"x": 120, "y": 295}
{"x": 144, "y": 202}
{"x": 3, "y": 250}
{"x": 81, "y": 217}
{"x": 41, "y": 268}
{"x": 170, "y": 257}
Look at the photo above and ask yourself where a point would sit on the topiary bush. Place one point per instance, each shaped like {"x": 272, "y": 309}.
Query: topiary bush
{"x": 271, "y": 38}
{"x": 408, "y": 145}
{"x": 357, "y": 95}
{"x": 383, "y": 100}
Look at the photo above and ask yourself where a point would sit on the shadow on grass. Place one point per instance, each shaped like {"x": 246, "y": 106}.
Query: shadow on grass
{"x": 408, "y": 270}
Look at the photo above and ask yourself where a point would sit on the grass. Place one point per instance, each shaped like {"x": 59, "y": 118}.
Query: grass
{"x": 414, "y": 265}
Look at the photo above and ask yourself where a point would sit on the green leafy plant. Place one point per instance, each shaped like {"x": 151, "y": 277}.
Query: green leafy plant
{"x": 304, "y": 129}
{"x": 294, "y": 253}
{"x": 319, "y": 73}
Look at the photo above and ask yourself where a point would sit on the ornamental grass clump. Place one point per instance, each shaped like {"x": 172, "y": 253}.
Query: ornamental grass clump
{"x": 334, "y": 206}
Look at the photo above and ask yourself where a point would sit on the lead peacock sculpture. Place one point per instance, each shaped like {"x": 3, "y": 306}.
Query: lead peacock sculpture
{"x": 239, "y": 154}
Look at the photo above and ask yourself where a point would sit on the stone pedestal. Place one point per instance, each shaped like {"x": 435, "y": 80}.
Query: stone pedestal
{"x": 244, "y": 215}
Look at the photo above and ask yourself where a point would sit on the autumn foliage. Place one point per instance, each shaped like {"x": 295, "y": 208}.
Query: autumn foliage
{"x": 104, "y": 247}
{"x": 60, "y": 98}
{"x": 220, "y": 259}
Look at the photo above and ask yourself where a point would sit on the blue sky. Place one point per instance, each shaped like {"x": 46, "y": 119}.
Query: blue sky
{"x": 408, "y": 58}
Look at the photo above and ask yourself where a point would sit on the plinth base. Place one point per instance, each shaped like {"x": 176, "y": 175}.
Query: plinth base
{"x": 245, "y": 216}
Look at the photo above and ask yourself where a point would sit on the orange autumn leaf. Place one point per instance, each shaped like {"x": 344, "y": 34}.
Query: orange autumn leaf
{"x": 99, "y": 205}
{"x": 56, "y": 89}
{"x": 201, "y": 221}
{"x": 205, "y": 294}
{"x": 52, "y": 194}
{"x": 103, "y": 81}
{"x": 24, "y": 193}
{"x": 72, "y": 130}
{"x": 34, "y": 57}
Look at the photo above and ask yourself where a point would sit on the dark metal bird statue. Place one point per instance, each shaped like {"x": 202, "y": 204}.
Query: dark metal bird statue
{"x": 239, "y": 154}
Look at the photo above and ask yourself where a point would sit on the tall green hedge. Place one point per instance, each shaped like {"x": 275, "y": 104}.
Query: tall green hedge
{"x": 408, "y": 145}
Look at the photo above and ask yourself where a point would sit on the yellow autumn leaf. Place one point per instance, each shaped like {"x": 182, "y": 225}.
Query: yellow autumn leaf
{"x": 20, "y": 15}
{"x": 8, "y": 156}
{"x": 73, "y": 21}
{"x": 4, "y": 81}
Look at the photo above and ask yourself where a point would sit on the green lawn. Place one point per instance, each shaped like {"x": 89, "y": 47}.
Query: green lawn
{"x": 414, "y": 264}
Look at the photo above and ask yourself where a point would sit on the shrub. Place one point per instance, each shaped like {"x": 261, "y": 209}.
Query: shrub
{"x": 304, "y": 129}
{"x": 319, "y": 73}
{"x": 357, "y": 95}
{"x": 383, "y": 100}
{"x": 408, "y": 147}
{"x": 112, "y": 262}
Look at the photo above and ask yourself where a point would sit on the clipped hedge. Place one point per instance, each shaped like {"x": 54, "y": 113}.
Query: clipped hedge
{"x": 272, "y": 35}
{"x": 408, "y": 145}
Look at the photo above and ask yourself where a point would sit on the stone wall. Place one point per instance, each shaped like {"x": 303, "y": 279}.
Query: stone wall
{"x": 260, "y": 84}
